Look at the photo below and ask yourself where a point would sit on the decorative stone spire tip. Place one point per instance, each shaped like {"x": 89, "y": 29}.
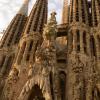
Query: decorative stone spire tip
{"x": 24, "y": 9}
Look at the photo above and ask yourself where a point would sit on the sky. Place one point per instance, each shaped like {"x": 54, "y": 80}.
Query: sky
{"x": 9, "y": 8}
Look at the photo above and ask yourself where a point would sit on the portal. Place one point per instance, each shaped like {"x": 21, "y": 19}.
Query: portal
{"x": 36, "y": 94}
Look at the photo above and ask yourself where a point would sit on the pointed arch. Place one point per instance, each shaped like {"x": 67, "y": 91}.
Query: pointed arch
{"x": 40, "y": 83}
{"x": 36, "y": 94}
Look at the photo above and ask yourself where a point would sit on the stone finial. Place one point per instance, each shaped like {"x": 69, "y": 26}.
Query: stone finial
{"x": 53, "y": 18}
{"x": 50, "y": 27}
{"x": 24, "y": 9}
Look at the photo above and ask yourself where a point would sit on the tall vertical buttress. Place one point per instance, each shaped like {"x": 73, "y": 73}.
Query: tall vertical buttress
{"x": 78, "y": 11}
{"x": 78, "y": 37}
{"x": 78, "y": 44}
{"x": 13, "y": 32}
{"x": 37, "y": 17}
{"x": 95, "y": 38}
{"x": 65, "y": 14}
{"x": 33, "y": 31}
{"x": 96, "y": 12}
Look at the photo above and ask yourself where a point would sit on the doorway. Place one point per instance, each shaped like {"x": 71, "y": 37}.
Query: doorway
{"x": 36, "y": 94}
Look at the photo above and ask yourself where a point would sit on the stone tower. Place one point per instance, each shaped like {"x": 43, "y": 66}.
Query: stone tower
{"x": 65, "y": 13}
{"x": 40, "y": 60}
{"x": 31, "y": 38}
{"x": 82, "y": 58}
{"x": 9, "y": 42}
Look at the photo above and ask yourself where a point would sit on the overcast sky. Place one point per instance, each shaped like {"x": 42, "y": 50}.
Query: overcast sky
{"x": 8, "y": 9}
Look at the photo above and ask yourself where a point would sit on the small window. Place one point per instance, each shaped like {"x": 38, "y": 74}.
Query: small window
{"x": 78, "y": 40}
{"x": 51, "y": 85}
{"x": 31, "y": 45}
{"x": 84, "y": 42}
{"x": 92, "y": 45}
{"x": 61, "y": 61}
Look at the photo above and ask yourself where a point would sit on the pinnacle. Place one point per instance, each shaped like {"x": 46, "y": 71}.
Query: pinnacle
{"x": 53, "y": 17}
{"x": 24, "y": 9}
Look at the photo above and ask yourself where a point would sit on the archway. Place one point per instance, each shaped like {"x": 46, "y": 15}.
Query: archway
{"x": 36, "y": 94}
{"x": 62, "y": 81}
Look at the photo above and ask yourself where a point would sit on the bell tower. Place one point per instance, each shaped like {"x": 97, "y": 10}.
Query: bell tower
{"x": 65, "y": 13}
{"x": 9, "y": 42}
{"x": 13, "y": 33}
{"x": 79, "y": 51}
{"x": 31, "y": 38}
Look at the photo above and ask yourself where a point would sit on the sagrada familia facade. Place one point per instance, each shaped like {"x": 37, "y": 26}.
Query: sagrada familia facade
{"x": 41, "y": 60}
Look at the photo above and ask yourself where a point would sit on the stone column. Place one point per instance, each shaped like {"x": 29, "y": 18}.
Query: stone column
{"x": 26, "y": 51}
{"x": 74, "y": 10}
{"x": 88, "y": 44}
{"x": 81, "y": 42}
{"x": 93, "y": 10}
{"x": 70, "y": 11}
{"x": 97, "y": 8}
{"x": 33, "y": 51}
{"x": 74, "y": 41}
{"x": 70, "y": 42}
{"x": 70, "y": 85}
{"x": 97, "y": 47}
{"x": 79, "y": 10}
{"x": 1, "y": 60}
{"x": 4, "y": 67}
{"x": 89, "y": 88}
{"x": 56, "y": 87}
{"x": 16, "y": 32}
{"x": 98, "y": 53}
{"x": 85, "y": 11}
{"x": 11, "y": 32}
{"x": 20, "y": 53}
{"x": 47, "y": 85}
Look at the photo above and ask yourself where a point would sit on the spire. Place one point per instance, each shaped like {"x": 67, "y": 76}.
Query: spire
{"x": 24, "y": 9}
{"x": 95, "y": 12}
{"x": 37, "y": 17}
{"x": 79, "y": 11}
{"x": 15, "y": 28}
{"x": 50, "y": 27}
{"x": 65, "y": 16}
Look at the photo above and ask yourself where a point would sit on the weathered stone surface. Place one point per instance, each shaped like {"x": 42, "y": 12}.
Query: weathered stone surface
{"x": 55, "y": 63}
